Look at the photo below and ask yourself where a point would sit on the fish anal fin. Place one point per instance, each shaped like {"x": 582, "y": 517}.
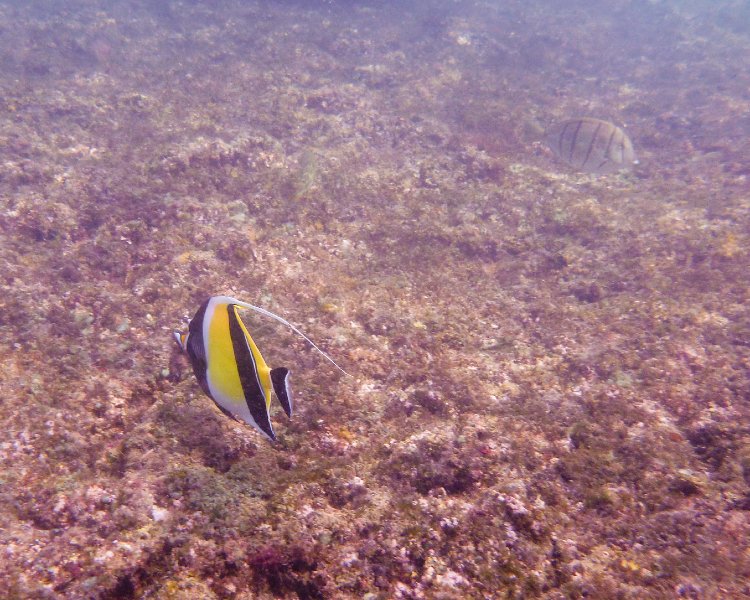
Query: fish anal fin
{"x": 225, "y": 411}
{"x": 265, "y": 428}
{"x": 282, "y": 389}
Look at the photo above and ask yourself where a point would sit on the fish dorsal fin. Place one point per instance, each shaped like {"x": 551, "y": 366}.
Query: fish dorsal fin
{"x": 268, "y": 313}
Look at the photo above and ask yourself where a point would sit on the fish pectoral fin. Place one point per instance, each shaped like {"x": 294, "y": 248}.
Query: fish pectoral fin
{"x": 179, "y": 337}
{"x": 282, "y": 389}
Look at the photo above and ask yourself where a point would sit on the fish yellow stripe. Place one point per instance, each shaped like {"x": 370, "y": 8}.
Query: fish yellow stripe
{"x": 222, "y": 374}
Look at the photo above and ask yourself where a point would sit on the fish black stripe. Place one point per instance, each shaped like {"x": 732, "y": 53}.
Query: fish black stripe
{"x": 621, "y": 146}
{"x": 561, "y": 138}
{"x": 196, "y": 349}
{"x": 248, "y": 372}
{"x": 591, "y": 143}
{"x": 574, "y": 142}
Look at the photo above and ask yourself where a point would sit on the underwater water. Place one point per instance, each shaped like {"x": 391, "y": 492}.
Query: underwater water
{"x": 548, "y": 389}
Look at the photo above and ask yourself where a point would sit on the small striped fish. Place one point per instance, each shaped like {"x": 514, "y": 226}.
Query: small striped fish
{"x": 229, "y": 366}
{"x": 592, "y": 145}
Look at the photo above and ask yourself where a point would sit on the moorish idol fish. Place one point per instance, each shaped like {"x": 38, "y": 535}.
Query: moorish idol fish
{"x": 229, "y": 366}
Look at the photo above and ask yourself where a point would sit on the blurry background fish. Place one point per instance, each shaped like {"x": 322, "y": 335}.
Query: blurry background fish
{"x": 591, "y": 145}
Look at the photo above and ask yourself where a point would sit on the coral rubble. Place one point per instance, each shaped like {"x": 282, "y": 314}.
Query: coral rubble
{"x": 549, "y": 391}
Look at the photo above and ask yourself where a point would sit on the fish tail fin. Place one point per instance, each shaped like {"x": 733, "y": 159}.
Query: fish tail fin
{"x": 268, "y": 313}
{"x": 282, "y": 389}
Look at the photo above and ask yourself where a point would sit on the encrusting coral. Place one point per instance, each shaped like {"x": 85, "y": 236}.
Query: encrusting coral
{"x": 549, "y": 390}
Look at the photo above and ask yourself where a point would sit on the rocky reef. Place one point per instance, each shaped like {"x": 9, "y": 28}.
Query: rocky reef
{"x": 549, "y": 392}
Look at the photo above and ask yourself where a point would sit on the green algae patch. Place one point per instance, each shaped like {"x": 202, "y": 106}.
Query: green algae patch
{"x": 226, "y": 498}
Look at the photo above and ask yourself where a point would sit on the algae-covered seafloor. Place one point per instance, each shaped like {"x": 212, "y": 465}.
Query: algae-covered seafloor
{"x": 549, "y": 394}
